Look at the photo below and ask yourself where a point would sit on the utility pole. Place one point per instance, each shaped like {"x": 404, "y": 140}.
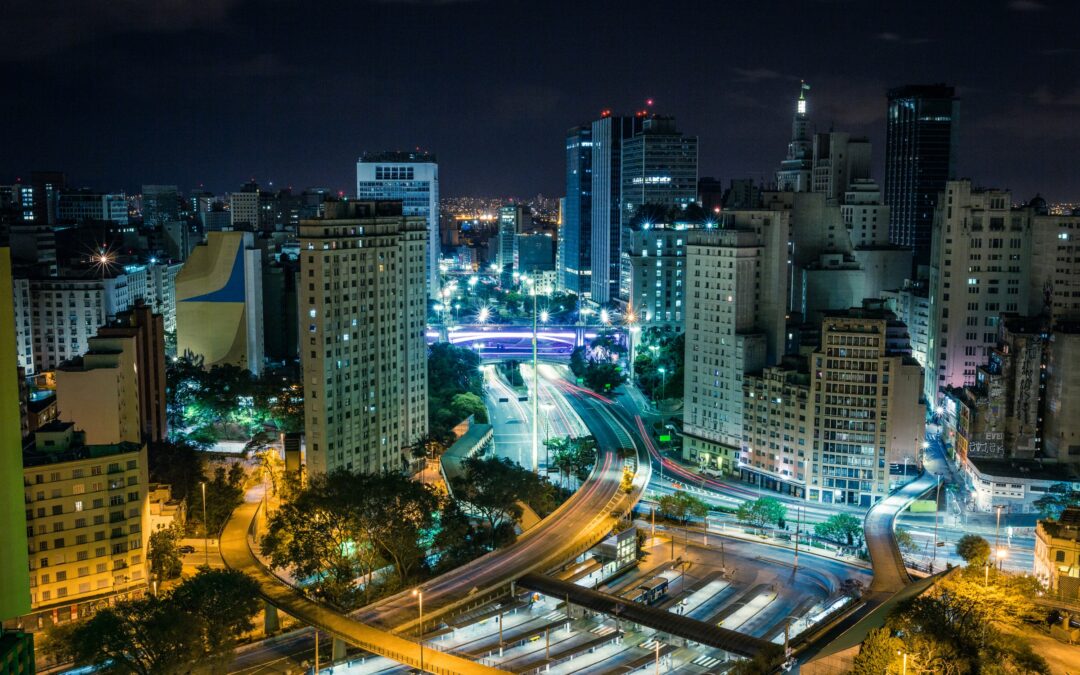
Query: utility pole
{"x": 316, "y": 671}
{"x": 205, "y": 527}
{"x": 937, "y": 500}
{"x": 798, "y": 529}
{"x": 536, "y": 388}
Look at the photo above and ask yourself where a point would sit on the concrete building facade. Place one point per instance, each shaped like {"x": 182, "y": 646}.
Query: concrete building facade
{"x": 363, "y": 314}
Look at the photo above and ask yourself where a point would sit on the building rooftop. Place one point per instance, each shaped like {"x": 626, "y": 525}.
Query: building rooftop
{"x": 398, "y": 156}
{"x": 1067, "y": 526}
{"x": 1027, "y": 469}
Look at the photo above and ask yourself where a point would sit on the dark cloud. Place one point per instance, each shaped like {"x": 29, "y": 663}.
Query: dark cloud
{"x": 900, "y": 39}
{"x": 754, "y": 74}
{"x": 1026, "y": 5}
{"x": 42, "y": 27}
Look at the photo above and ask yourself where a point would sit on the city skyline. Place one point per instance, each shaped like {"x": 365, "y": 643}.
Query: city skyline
{"x": 468, "y": 88}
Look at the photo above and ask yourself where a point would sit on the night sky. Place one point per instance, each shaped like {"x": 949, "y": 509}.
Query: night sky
{"x": 214, "y": 92}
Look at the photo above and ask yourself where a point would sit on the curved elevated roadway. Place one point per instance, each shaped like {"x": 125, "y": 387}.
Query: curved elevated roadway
{"x": 237, "y": 554}
{"x": 890, "y": 573}
{"x": 576, "y": 526}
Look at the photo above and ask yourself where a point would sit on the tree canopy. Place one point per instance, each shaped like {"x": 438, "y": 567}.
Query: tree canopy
{"x": 973, "y": 549}
{"x": 455, "y": 389}
{"x": 762, "y": 511}
{"x": 193, "y": 629}
{"x": 842, "y": 528}
{"x": 682, "y": 506}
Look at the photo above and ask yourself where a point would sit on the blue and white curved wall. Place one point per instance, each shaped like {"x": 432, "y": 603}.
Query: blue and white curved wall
{"x": 219, "y": 302}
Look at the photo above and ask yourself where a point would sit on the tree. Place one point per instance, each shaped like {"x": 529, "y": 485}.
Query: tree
{"x": 603, "y": 376}
{"x": 761, "y": 511}
{"x": 186, "y": 631}
{"x": 178, "y": 464}
{"x": 973, "y": 549}
{"x": 456, "y": 540}
{"x": 1058, "y": 497}
{"x": 841, "y": 528}
{"x": 314, "y": 537}
{"x": 682, "y": 506}
{"x": 223, "y": 494}
{"x": 468, "y": 403}
{"x": 955, "y": 626}
{"x": 223, "y": 603}
{"x": 877, "y": 654}
{"x": 164, "y": 555}
{"x": 492, "y": 487}
{"x": 905, "y": 541}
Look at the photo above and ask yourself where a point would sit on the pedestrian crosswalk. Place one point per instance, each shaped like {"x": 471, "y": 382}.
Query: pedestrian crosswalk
{"x": 648, "y": 644}
{"x": 706, "y": 661}
{"x": 603, "y": 630}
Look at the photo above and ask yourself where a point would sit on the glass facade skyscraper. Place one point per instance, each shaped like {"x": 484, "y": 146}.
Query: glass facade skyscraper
{"x": 575, "y": 235}
{"x": 608, "y": 135}
{"x": 920, "y": 156}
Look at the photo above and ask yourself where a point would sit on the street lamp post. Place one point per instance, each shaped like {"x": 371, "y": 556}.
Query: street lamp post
{"x": 997, "y": 531}
{"x": 536, "y": 389}
{"x": 420, "y": 603}
{"x": 904, "y": 671}
{"x": 205, "y": 527}
{"x": 663, "y": 381}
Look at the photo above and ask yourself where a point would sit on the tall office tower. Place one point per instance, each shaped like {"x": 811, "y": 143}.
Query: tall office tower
{"x": 920, "y": 156}
{"x": 796, "y": 172}
{"x": 363, "y": 301}
{"x": 654, "y": 266}
{"x": 47, "y": 187}
{"x": 161, "y": 204}
{"x": 980, "y": 267}
{"x": 659, "y": 169}
{"x": 868, "y": 388}
{"x": 90, "y": 524}
{"x": 147, "y": 328}
{"x": 86, "y": 206}
{"x": 513, "y": 220}
{"x": 99, "y": 391}
{"x": 736, "y": 291}
{"x": 575, "y": 235}
{"x": 839, "y": 160}
{"x": 1054, "y": 283}
{"x": 15, "y": 590}
{"x": 219, "y": 302}
{"x": 608, "y": 135}
{"x": 413, "y": 179}
{"x": 244, "y": 209}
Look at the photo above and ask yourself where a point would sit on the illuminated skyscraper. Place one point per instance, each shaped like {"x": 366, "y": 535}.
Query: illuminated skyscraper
{"x": 575, "y": 235}
{"x": 413, "y": 179}
{"x": 363, "y": 307}
{"x": 608, "y": 135}
{"x": 796, "y": 172}
{"x": 920, "y": 155}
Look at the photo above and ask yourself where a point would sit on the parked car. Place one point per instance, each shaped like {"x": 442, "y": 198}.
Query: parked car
{"x": 187, "y": 548}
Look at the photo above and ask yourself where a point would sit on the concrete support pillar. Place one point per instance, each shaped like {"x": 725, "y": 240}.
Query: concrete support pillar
{"x": 271, "y": 623}
{"x": 339, "y": 650}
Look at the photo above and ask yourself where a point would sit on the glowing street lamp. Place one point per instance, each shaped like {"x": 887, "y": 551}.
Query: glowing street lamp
{"x": 604, "y": 318}
{"x": 544, "y": 316}
{"x": 483, "y": 315}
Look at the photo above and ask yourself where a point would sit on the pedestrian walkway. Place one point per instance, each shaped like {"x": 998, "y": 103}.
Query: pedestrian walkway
{"x": 890, "y": 572}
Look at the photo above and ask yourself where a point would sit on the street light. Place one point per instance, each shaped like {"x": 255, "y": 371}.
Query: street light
{"x": 205, "y": 526}
{"x": 997, "y": 528}
{"x": 663, "y": 381}
{"x": 420, "y": 603}
{"x": 904, "y": 671}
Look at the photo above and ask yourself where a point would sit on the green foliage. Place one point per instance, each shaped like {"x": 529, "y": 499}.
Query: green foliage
{"x": 572, "y": 457}
{"x": 178, "y": 464}
{"x": 595, "y": 366}
{"x": 223, "y": 494}
{"x": 1058, "y": 497}
{"x": 761, "y": 511}
{"x": 190, "y": 630}
{"x": 457, "y": 540}
{"x": 660, "y": 347}
{"x": 164, "y": 555}
{"x": 492, "y": 488}
{"x": 878, "y": 654}
{"x": 682, "y": 506}
{"x": 956, "y": 626}
{"x": 228, "y": 402}
{"x": 842, "y": 528}
{"x": 455, "y": 389}
{"x": 974, "y": 550}
{"x": 343, "y": 527}
{"x": 905, "y": 541}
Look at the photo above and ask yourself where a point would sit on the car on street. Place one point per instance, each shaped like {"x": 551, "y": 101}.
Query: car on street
{"x": 187, "y": 548}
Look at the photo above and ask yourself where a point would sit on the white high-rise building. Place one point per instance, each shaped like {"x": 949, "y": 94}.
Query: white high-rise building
{"x": 980, "y": 268}
{"x": 413, "y": 179}
{"x": 736, "y": 301}
{"x": 363, "y": 308}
